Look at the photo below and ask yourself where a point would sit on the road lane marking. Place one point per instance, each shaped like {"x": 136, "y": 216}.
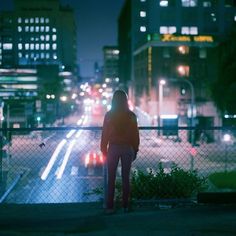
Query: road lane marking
{"x": 53, "y": 159}
{"x": 65, "y": 160}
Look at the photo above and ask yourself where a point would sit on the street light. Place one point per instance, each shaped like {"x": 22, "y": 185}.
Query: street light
{"x": 162, "y": 82}
{"x": 63, "y": 100}
{"x": 226, "y": 139}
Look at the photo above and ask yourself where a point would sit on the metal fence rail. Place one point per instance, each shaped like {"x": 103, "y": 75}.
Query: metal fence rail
{"x": 58, "y": 165}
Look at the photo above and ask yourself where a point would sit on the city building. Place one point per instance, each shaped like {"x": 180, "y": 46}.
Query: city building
{"x": 171, "y": 48}
{"x": 40, "y": 36}
{"x": 111, "y": 64}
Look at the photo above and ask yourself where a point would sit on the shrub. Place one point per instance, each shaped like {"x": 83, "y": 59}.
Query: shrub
{"x": 176, "y": 184}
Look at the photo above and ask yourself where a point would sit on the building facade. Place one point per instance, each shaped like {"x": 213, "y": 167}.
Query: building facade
{"x": 175, "y": 41}
{"x": 111, "y": 63}
{"x": 38, "y": 36}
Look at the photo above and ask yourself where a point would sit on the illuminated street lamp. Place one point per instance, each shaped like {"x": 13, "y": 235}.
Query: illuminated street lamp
{"x": 162, "y": 82}
{"x": 227, "y": 140}
{"x": 64, "y": 100}
{"x": 191, "y": 115}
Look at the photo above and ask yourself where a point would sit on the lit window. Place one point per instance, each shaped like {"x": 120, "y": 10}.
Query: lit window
{"x": 20, "y": 54}
{"x": 54, "y": 56}
{"x": 163, "y": 30}
{"x": 32, "y": 55}
{"x": 37, "y": 46}
{"x": 167, "y": 29}
{"x": 47, "y": 37}
{"x": 189, "y": 3}
{"x": 213, "y": 16}
{"x": 20, "y": 46}
{"x": 54, "y": 46}
{"x": 36, "y": 20}
{"x": 235, "y": 18}
{"x": 26, "y": 21}
{"x": 143, "y": 29}
{"x": 42, "y": 28}
{"x": 47, "y": 47}
{"x": 164, "y": 3}
{"x": 31, "y": 46}
{"x": 37, "y": 29}
{"x": 115, "y": 52}
{"x": 7, "y": 46}
{"x": 54, "y": 37}
{"x": 27, "y": 56}
{"x": 32, "y": 38}
{"x": 42, "y": 37}
{"x": 19, "y": 20}
{"x": 183, "y": 70}
{"x": 142, "y": 0}
{"x": 42, "y": 55}
{"x": 142, "y": 13}
{"x": 47, "y": 20}
{"x": 172, "y": 29}
{"x": 41, "y": 20}
{"x": 47, "y": 28}
{"x": 26, "y": 28}
{"x": 31, "y": 28}
{"x": 19, "y": 28}
{"x": 54, "y": 30}
{"x": 31, "y": 20}
{"x": 193, "y": 30}
{"x": 183, "y": 49}
{"x": 42, "y": 46}
{"x": 47, "y": 55}
{"x": 26, "y": 46}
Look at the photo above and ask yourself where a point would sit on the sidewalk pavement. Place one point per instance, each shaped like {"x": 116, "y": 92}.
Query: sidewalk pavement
{"x": 88, "y": 219}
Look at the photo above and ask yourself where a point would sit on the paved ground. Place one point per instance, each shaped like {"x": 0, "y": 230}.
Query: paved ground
{"x": 89, "y": 219}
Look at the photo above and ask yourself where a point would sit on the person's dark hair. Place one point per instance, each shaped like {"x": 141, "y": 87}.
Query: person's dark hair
{"x": 120, "y": 100}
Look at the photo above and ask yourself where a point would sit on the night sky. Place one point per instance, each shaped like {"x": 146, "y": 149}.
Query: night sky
{"x": 97, "y": 26}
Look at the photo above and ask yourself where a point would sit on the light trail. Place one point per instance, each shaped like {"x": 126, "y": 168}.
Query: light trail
{"x": 70, "y": 133}
{"x": 53, "y": 159}
{"x": 65, "y": 160}
{"x": 59, "y": 174}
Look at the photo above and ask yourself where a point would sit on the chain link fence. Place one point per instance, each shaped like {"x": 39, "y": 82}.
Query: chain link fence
{"x": 64, "y": 165}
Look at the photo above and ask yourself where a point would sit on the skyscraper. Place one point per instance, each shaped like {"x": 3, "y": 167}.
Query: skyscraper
{"x": 174, "y": 40}
{"x": 38, "y": 36}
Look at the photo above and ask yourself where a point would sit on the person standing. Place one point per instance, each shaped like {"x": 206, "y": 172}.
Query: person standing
{"x": 119, "y": 141}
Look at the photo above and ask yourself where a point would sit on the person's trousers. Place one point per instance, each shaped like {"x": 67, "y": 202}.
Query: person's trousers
{"x": 115, "y": 153}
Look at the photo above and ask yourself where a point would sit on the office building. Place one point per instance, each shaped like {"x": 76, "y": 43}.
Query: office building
{"x": 40, "y": 36}
{"x": 111, "y": 66}
{"x": 175, "y": 41}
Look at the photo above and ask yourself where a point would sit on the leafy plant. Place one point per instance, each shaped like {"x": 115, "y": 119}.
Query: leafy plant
{"x": 176, "y": 184}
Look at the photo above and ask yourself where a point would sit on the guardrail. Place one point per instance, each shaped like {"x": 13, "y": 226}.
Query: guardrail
{"x": 61, "y": 164}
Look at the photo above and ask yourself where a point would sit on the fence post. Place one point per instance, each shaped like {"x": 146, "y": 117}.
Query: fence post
{"x": 105, "y": 183}
{"x": 226, "y": 157}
